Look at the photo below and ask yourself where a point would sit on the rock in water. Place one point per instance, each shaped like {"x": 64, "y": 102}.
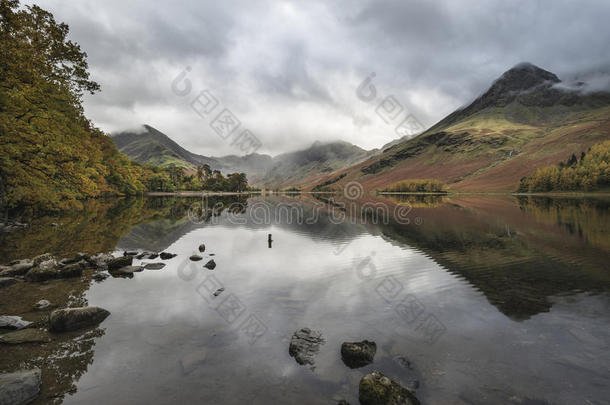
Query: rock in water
{"x": 118, "y": 262}
{"x": 7, "y": 281}
{"x": 358, "y": 354}
{"x": 68, "y": 319}
{"x": 126, "y": 271}
{"x": 210, "y": 265}
{"x": 12, "y": 322}
{"x": 377, "y": 389}
{"x": 304, "y": 345}
{"x": 202, "y": 248}
{"x": 21, "y": 387}
{"x": 71, "y": 270}
{"x": 17, "y": 269}
{"x": 154, "y": 266}
{"x": 195, "y": 258}
{"x": 218, "y": 292}
{"x": 167, "y": 256}
{"x": 25, "y": 336}
{"x": 42, "y": 258}
{"x": 100, "y": 276}
{"x": 130, "y": 253}
{"x": 42, "y": 304}
{"x": 45, "y": 270}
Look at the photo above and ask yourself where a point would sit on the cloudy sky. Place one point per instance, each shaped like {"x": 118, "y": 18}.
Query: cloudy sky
{"x": 289, "y": 70}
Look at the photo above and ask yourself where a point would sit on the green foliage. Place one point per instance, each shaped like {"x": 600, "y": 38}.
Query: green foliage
{"x": 417, "y": 186}
{"x": 51, "y": 156}
{"x": 590, "y": 172}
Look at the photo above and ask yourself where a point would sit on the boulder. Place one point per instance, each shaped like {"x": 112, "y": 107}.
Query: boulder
{"x": 154, "y": 266}
{"x": 202, "y": 248}
{"x": 71, "y": 270}
{"x": 100, "y": 260}
{"x": 42, "y": 258}
{"x": 69, "y": 319}
{"x": 167, "y": 256}
{"x": 304, "y": 345}
{"x": 13, "y": 322}
{"x": 118, "y": 262}
{"x": 377, "y": 389}
{"x": 211, "y": 265}
{"x": 21, "y": 387}
{"x": 25, "y": 336}
{"x": 358, "y": 354}
{"x": 45, "y": 270}
{"x": 196, "y": 258}
{"x": 7, "y": 281}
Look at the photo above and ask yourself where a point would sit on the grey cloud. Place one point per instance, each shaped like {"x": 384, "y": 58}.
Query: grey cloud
{"x": 290, "y": 69}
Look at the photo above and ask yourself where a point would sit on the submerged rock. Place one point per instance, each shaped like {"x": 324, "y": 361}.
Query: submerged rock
{"x": 68, "y": 319}
{"x": 190, "y": 362}
{"x": 154, "y": 266}
{"x": 7, "y": 281}
{"x": 358, "y": 354}
{"x": 377, "y": 389}
{"x": 18, "y": 268}
{"x": 195, "y": 258}
{"x": 25, "y": 336}
{"x": 167, "y": 256}
{"x": 100, "y": 276}
{"x": 202, "y": 248}
{"x": 13, "y": 322}
{"x": 21, "y": 387}
{"x": 304, "y": 345}
{"x": 118, "y": 262}
{"x": 42, "y": 304}
{"x": 210, "y": 265}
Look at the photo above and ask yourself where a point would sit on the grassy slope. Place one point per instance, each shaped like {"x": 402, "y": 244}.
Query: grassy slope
{"x": 488, "y": 151}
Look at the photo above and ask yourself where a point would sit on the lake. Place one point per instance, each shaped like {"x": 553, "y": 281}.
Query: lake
{"x": 470, "y": 299}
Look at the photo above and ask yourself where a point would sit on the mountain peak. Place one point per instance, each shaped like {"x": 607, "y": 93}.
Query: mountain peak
{"x": 523, "y": 76}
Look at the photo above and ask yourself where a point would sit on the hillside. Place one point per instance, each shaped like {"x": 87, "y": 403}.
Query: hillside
{"x": 522, "y": 122}
{"x": 151, "y": 146}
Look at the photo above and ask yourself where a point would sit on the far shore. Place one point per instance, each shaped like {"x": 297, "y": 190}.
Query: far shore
{"x": 448, "y": 194}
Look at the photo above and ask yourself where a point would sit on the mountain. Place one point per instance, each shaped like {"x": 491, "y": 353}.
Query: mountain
{"x": 527, "y": 119}
{"x": 152, "y": 146}
{"x": 312, "y": 163}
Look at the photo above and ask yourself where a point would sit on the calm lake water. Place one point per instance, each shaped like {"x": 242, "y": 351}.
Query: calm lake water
{"x": 474, "y": 300}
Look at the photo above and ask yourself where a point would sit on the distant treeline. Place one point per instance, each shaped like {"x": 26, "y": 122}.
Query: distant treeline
{"x": 417, "y": 186}
{"x": 589, "y": 172}
{"x": 51, "y": 155}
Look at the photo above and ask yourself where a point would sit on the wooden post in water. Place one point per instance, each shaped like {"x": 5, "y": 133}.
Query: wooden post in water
{"x": 269, "y": 240}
